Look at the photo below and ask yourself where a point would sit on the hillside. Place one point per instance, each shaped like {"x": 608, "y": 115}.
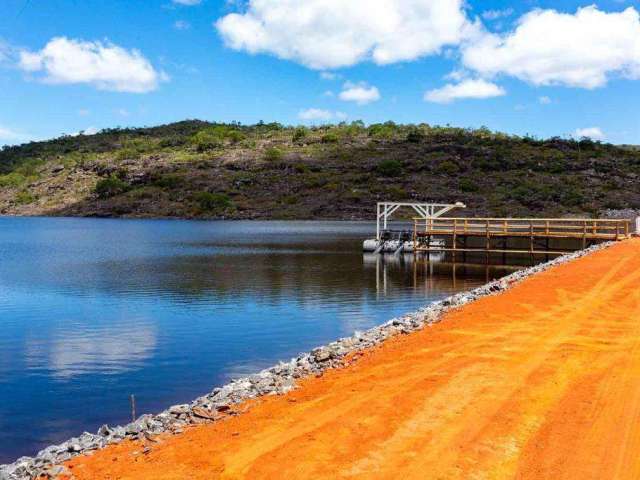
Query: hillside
{"x": 196, "y": 169}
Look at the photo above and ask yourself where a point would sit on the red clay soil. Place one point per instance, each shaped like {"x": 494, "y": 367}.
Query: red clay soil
{"x": 540, "y": 382}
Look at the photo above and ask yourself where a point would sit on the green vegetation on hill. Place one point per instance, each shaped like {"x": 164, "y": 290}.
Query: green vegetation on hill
{"x": 206, "y": 170}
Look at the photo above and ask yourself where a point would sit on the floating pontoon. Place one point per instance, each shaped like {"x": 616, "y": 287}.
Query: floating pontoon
{"x": 397, "y": 241}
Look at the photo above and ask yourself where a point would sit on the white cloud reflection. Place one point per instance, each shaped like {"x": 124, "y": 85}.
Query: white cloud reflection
{"x": 105, "y": 351}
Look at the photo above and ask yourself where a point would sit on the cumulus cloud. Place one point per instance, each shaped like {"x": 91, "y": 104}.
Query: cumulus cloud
{"x": 472, "y": 88}
{"x": 319, "y": 115}
{"x": 360, "y": 93}
{"x": 86, "y": 131}
{"x": 325, "y": 34}
{"x": 496, "y": 14}
{"x": 329, "y": 76}
{"x": 544, "y": 100}
{"x": 552, "y": 48}
{"x": 4, "y": 52}
{"x": 104, "y": 65}
{"x": 181, "y": 25}
{"x": 11, "y": 136}
{"x": 594, "y": 133}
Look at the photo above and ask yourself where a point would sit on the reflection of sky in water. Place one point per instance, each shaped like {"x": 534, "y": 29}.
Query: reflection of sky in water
{"x": 92, "y": 311}
{"x": 101, "y": 351}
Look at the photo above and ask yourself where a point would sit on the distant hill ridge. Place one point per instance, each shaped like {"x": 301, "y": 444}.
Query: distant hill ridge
{"x": 196, "y": 169}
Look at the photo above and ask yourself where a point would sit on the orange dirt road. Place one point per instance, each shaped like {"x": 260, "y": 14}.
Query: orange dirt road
{"x": 540, "y": 382}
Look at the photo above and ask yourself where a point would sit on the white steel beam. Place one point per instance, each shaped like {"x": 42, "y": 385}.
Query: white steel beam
{"x": 384, "y": 210}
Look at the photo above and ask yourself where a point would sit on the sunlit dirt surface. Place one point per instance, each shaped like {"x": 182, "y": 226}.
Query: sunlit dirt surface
{"x": 540, "y": 382}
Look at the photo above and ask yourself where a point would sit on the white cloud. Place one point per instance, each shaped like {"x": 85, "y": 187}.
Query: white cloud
{"x": 328, "y": 93}
{"x": 83, "y": 112}
{"x": 9, "y": 135}
{"x": 103, "y": 65}
{"x": 329, "y": 76}
{"x": 4, "y": 52}
{"x": 496, "y": 14}
{"x": 551, "y": 48}
{"x": 86, "y": 131}
{"x": 471, "y": 88}
{"x": 325, "y": 34}
{"x": 188, "y": 3}
{"x": 594, "y": 133}
{"x": 360, "y": 93}
{"x": 316, "y": 114}
{"x": 457, "y": 75}
{"x": 123, "y": 112}
{"x": 181, "y": 25}
{"x": 105, "y": 351}
{"x": 544, "y": 100}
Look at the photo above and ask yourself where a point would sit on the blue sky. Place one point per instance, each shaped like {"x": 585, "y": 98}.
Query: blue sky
{"x": 536, "y": 67}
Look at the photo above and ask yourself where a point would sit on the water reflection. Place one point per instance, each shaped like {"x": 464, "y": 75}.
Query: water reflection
{"x": 434, "y": 273}
{"x": 85, "y": 351}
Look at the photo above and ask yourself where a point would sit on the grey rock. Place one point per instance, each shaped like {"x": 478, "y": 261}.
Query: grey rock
{"x": 179, "y": 409}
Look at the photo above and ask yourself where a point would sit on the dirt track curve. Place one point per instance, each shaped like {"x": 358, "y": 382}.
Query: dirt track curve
{"x": 540, "y": 382}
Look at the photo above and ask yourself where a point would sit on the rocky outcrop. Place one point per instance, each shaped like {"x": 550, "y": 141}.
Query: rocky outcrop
{"x": 276, "y": 380}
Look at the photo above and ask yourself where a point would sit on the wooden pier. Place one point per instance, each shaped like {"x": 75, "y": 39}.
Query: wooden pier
{"x": 515, "y": 235}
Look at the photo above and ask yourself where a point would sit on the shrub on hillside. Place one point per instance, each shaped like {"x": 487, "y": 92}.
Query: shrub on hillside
{"x": 382, "y": 130}
{"x": 127, "y": 153}
{"x": 212, "y": 202}
{"x": 415, "y": 135}
{"x": 468, "y": 185}
{"x": 13, "y": 179}
{"x": 169, "y": 181}
{"x": 299, "y": 134}
{"x": 273, "y": 154}
{"x": 448, "y": 167}
{"x": 215, "y": 137}
{"x": 24, "y": 198}
{"x": 110, "y": 187}
{"x": 330, "y": 137}
{"x": 389, "y": 168}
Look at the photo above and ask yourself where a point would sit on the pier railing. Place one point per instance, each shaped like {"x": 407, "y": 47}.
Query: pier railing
{"x": 534, "y": 229}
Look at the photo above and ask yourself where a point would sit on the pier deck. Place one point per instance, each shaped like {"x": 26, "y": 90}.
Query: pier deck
{"x": 539, "y": 382}
{"x": 515, "y": 235}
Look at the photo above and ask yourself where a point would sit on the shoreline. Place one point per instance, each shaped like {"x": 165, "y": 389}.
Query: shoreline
{"x": 276, "y": 380}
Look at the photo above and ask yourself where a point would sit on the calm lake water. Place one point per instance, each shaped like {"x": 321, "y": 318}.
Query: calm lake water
{"x": 93, "y": 310}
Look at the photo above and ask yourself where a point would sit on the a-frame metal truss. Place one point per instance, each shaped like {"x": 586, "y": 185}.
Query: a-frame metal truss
{"x": 424, "y": 210}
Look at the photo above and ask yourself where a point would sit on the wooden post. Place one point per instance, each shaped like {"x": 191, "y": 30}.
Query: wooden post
{"x": 488, "y": 246}
{"x": 415, "y": 237}
{"x": 133, "y": 408}
{"x": 455, "y": 227}
{"x": 531, "y": 237}
{"x": 584, "y": 234}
